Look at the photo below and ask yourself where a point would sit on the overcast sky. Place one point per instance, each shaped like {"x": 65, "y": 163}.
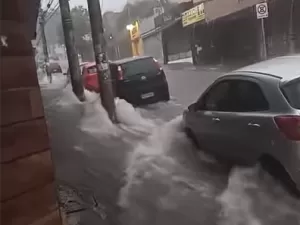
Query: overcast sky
{"x": 107, "y": 5}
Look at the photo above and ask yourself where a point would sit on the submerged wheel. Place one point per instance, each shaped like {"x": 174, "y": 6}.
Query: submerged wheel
{"x": 277, "y": 171}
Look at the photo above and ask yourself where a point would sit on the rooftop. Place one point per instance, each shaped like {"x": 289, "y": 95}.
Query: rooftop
{"x": 285, "y": 67}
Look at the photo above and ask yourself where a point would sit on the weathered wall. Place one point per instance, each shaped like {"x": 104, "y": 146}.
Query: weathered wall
{"x": 27, "y": 175}
{"x": 153, "y": 46}
{"x": 219, "y": 8}
{"x": 278, "y": 25}
{"x": 177, "y": 40}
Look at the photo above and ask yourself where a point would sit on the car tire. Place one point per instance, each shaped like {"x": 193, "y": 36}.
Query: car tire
{"x": 166, "y": 99}
{"x": 277, "y": 171}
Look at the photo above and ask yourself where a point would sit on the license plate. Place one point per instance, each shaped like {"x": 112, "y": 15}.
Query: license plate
{"x": 147, "y": 95}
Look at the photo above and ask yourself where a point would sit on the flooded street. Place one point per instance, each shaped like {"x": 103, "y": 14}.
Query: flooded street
{"x": 146, "y": 170}
{"x": 167, "y": 184}
{"x": 150, "y": 112}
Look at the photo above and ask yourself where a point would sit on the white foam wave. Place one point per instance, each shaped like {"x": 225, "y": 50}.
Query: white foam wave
{"x": 253, "y": 197}
{"x": 155, "y": 159}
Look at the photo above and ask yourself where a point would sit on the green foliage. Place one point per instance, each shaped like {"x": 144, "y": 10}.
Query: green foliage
{"x": 81, "y": 25}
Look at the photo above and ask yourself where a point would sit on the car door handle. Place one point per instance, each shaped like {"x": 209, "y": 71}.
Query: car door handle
{"x": 216, "y": 119}
{"x": 253, "y": 125}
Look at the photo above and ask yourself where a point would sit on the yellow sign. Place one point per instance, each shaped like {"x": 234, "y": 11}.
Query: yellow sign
{"x": 135, "y": 31}
{"x": 193, "y": 15}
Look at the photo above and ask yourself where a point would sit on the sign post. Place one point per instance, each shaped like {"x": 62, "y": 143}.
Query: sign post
{"x": 261, "y": 13}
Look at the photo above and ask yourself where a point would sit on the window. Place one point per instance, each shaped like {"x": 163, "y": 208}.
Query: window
{"x": 235, "y": 96}
{"x": 292, "y": 94}
{"x": 92, "y": 70}
{"x": 216, "y": 97}
{"x": 249, "y": 97}
{"x": 140, "y": 66}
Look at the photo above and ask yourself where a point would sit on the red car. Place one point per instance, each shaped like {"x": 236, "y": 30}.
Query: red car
{"x": 89, "y": 75}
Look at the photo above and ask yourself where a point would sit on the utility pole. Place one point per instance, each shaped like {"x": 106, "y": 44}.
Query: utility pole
{"x": 44, "y": 42}
{"x": 103, "y": 70}
{"x": 75, "y": 75}
{"x": 264, "y": 44}
{"x": 292, "y": 35}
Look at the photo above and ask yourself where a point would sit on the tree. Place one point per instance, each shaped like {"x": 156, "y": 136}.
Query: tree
{"x": 82, "y": 31}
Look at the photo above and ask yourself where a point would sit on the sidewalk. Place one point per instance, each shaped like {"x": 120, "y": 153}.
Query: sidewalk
{"x": 52, "y": 92}
{"x": 89, "y": 154}
{"x": 88, "y": 163}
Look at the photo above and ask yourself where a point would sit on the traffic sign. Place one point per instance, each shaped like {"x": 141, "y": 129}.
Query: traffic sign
{"x": 262, "y": 10}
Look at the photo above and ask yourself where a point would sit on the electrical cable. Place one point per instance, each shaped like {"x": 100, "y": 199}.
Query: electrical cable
{"x": 55, "y": 8}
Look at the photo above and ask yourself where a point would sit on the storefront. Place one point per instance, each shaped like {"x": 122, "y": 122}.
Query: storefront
{"x": 175, "y": 37}
{"x": 153, "y": 46}
{"x": 190, "y": 20}
{"x": 177, "y": 42}
{"x": 228, "y": 34}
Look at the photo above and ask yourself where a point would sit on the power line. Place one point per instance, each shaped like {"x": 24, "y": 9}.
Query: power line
{"x": 56, "y": 7}
{"x": 49, "y": 4}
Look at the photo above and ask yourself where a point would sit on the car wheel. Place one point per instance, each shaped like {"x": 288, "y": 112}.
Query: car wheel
{"x": 277, "y": 171}
{"x": 167, "y": 98}
{"x": 189, "y": 133}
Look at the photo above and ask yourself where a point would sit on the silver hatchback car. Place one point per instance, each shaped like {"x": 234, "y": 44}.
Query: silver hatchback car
{"x": 252, "y": 114}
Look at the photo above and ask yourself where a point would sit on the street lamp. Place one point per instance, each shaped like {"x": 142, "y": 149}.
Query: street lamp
{"x": 129, "y": 27}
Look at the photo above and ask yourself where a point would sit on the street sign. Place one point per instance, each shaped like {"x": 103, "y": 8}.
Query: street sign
{"x": 193, "y": 15}
{"x": 262, "y": 10}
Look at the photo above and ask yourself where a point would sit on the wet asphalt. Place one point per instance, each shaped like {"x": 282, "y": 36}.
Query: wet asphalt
{"x": 147, "y": 172}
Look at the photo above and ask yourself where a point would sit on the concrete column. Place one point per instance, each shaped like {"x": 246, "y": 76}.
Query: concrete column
{"x": 164, "y": 47}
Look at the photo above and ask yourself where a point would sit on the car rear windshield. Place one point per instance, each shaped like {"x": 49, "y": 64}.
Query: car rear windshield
{"x": 92, "y": 70}
{"x": 292, "y": 93}
{"x": 145, "y": 66}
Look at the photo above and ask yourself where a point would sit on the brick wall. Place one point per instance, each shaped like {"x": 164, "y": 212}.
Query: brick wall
{"x": 27, "y": 175}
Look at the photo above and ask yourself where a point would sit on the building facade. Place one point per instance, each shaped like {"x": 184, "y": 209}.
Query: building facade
{"x": 28, "y": 193}
{"x": 152, "y": 42}
{"x": 231, "y": 31}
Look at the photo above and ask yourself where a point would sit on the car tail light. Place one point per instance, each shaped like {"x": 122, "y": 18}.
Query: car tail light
{"x": 157, "y": 64}
{"x": 120, "y": 73}
{"x": 289, "y": 126}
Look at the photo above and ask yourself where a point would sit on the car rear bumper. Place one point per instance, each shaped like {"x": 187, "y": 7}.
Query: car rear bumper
{"x": 292, "y": 163}
{"x": 134, "y": 96}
